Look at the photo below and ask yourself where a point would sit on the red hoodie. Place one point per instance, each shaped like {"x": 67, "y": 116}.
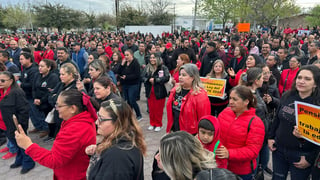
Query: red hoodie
{"x": 221, "y": 163}
{"x": 67, "y": 157}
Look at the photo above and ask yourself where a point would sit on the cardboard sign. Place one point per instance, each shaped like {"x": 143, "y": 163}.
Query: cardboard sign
{"x": 308, "y": 121}
{"x": 214, "y": 87}
{"x": 244, "y": 27}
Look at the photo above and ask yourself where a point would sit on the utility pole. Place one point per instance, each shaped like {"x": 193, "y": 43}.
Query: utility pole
{"x": 117, "y": 13}
{"x": 174, "y": 17}
{"x": 195, "y": 15}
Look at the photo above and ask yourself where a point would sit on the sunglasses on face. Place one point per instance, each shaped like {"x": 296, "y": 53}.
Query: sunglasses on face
{"x": 4, "y": 80}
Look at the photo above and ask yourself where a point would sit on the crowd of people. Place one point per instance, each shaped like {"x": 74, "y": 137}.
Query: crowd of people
{"x": 80, "y": 90}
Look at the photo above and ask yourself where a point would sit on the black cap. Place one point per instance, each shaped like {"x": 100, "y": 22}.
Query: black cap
{"x": 77, "y": 44}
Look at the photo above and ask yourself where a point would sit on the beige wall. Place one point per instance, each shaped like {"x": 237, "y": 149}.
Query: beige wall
{"x": 294, "y": 21}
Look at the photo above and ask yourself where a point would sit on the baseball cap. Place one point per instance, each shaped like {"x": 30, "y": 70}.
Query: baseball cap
{"x": 168, "y": 45}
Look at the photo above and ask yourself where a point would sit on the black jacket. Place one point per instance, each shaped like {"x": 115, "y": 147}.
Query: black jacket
{"x": 42, "y": 86}
{"x": 159, "y": 88}
{"x": 55, "y": 93}
{"x": 167, "y": 59}
{"x": 207, "y": 63}
{"x": 283, "y": 125}
{"x": 179, "y": 51}
{"x": 120, "y": 161}
{"x": 276, "y": 73}
{"x": 132, "y": 73}
{"x": 234, "y": 64}
{"x": 15, "y": 103}
{"x": 27, "y": 79}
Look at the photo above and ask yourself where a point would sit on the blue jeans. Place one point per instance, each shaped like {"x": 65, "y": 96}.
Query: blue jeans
{"x": 264, "y": 156}
{"x": 246, "y": 177}
{"x": 37, "y": 117}
{"x": 283, "y": 159}
{"x": 13, "y": 148}
{"x": 21, "y": 158}
{"x": 130, "y": 93}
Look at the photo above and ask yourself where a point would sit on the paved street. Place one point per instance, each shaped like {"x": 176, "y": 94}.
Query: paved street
{"x": 43, "y": 173}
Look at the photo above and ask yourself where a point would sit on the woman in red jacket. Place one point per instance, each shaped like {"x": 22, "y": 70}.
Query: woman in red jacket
{"x": 242, "y": 133}
{"x": 187, "y": 102}
{"x": 67, "y": 157}
{"x": 288, "y": 75}
{"x": 48, "y": 53}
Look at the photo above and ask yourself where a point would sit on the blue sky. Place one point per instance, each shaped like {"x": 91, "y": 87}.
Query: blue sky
{"x": 183, "y": 7}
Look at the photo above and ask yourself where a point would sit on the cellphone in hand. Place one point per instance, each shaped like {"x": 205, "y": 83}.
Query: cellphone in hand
{"x": 15, "y": 121}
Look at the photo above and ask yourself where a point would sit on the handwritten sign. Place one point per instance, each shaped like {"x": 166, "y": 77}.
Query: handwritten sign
{"x": 308, "y": 121}
{"x": 214, "y": 87}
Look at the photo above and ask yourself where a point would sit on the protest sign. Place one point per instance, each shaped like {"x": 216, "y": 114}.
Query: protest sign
{"x": 308, "y": 121}
{"x": 214, "y": 87}
{"x": 244, "y": 27}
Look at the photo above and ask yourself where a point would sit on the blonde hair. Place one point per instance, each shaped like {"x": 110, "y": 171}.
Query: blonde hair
{"x": 192, "y": 71}
{"x": 212, "y": 74}
{"x": 70, "y": 69}
{"x": 125, "y": 126}
{"x": 183, "y": 156}
{"x": 150, "y": 68}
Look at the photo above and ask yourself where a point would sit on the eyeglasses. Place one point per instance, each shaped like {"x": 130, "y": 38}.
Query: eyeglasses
{"x": 103, "y": 119}
{"x": 4, "y": 80}
{"x": 59, "y": 106}
{"x": 266, "y": 73}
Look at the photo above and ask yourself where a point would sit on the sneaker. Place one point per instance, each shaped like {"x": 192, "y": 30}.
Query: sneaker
{"x": 9, "y": 155}
{"x": 150, "y": 128}
{"x": 43, "y": 134}
{"x": 139, "y": 118}
{"x": 34, "y": 131}
{"x": 3, "y": 150}
{"x": 157, "y": 129}
{"x": 48, "y": 139}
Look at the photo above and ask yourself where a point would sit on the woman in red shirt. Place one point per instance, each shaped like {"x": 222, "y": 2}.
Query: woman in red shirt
{"x": 288, "y": 75}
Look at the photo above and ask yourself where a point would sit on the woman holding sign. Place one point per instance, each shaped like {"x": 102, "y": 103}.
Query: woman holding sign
{"x": 187, "y": 102}
{"x": 290, "y": 153}
{"x": 13, "y": 102}
{"x": 218, "y": 72}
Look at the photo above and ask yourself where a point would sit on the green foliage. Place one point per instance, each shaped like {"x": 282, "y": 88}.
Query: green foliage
{"x": 263, "y": 12}
{"x": 314, "y": 18}
{"x": 222, "y": 10}
{"x": 104, "y": 18}
{"x": 159, "y": 14}
{"x": 15, "y": 17}
{"x": 131, "y": 16}
{"x": 59, "y": 16}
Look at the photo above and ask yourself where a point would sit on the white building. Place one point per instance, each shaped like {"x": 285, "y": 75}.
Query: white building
{"x": 186, "y": 22}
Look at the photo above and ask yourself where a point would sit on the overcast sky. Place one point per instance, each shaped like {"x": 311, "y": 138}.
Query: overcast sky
{"x": 182, "y": 7}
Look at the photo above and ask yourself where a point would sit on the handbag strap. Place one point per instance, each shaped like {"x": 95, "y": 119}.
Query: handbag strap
{"x": 285, "y": 82}
{"x": 251, "y": 162}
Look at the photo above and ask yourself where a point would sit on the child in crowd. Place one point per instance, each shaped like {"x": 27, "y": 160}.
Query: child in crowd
{"x": 209, "y": 135}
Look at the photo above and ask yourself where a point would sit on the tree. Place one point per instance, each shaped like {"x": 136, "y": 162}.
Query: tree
{"x": 90, "y": 20}
{"x": 58, "y": 16}
{"x": 266, "y": 12}
{"x": 159, "y": 14}
{"x": 2, "y": 13}
{"x": 219, "y": 9}
{"x": 15, "y": 17}
{"x": 131, "y": 16}
{"x": 314, "y": 18}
